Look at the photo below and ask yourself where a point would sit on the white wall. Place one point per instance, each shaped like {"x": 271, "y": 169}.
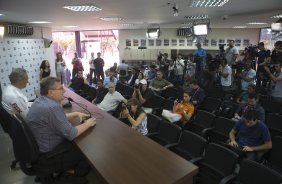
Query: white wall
{"x": 131, "y": 53}
{"x": 26, "y": 52}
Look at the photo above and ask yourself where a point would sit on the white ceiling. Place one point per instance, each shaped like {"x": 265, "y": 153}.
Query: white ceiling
{"x": 141, "y": 13}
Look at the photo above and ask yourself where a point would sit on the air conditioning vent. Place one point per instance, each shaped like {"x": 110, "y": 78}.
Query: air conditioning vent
{"x": 19, "y": 30}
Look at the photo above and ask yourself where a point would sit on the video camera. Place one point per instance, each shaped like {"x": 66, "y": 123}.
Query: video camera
{"x": 238, "y": 66}
{"x": 251, "y": 51}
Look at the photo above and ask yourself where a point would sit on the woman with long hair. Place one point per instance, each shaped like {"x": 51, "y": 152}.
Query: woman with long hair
{"x": 44, "y": 69}
{"x": 60, "y": 66}
{"x": 139, "y": 78}
{"x": 136, "y": 116}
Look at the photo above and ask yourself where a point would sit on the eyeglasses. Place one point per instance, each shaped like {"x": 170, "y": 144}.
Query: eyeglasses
{"x": 61, "y": 88}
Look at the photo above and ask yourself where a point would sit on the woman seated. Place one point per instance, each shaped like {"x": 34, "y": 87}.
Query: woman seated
{"x": 136, "y": 116}
{"x": 182, "y": 111}
{"x": 139, "y": 78}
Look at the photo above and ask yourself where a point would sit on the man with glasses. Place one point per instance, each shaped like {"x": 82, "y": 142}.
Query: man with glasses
{"x": 13, "y": 99}
{"x": 253, "y": 137}
{"x": 53, "y": 130}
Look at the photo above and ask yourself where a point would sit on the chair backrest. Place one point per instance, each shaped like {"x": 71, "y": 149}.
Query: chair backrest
{"x": 220, "y": 158}
{"x": 25, "y": 146}
{"x": 6, "y": 120}
{"x": 211, "y": 104}
{"x": 192, "y": 143}
{"x": 169, "y": 132}
{"x": 253, "y": 172}
{"x": 204, "y": 118}
{"x": 153, "y": 123}
{"x": 167, "y": 104}
{"x": 155, "y": 102}
{"x": 0, "y": 94}
{"x": 274, "y": 123}
{"x": 223, "y": 125}
{"x": 276, "y": 152}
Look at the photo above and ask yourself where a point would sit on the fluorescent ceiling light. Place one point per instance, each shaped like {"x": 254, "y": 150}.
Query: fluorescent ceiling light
{"x": 2, "y": 31}
{"x": 111, "y": 18}
{"x": 1, "y": 14}
{"x": 207, "y": 3}
{"x": 127, "y": 25}
{"x": 196, "y": 17}
{"x": 239, "y": 27}
{"x": 278, "y": 16}
{"x": 153, "y": 33}
{"x": 40, "y": 22}
{"x": 83, "y": 8}
{"x": 70, "y": 26}
{"x": 257, "y": 23}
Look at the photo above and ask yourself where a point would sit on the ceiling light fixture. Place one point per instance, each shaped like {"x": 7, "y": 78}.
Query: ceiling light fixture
{"x": 239, "y": 27}
{"x": 196, "y": 17}
{"x": 257, "y": 23}
{"x": 83, "y": 8}
{"x": 70, "y": 26}
{"x": 1, "y": 14}
{"x": 111, "y": 18}
{"x": 127, "y": 25}
{"x": 278, "y": 16}
{"x": 2, "y": 31}
{"x": 207, "y": 3}
{"x": 40, "y": 22}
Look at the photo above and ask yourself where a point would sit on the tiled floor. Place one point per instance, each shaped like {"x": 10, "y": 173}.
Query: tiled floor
{"x": 16, "y": 176}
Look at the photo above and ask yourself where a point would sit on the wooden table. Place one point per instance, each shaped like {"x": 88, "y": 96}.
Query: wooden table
{"x": 119, "y": 154}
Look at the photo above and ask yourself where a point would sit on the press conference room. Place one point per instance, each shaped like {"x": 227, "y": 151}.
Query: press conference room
{"x": 141, "y": 91}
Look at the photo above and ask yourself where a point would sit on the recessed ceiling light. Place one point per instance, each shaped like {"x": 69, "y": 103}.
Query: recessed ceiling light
{"x": 257, "y": 23}
{"x": 239, "y": 27}
{"x": 111, "y": 18}
{"x": 40, "y": 22}
{"x": 196, "y": 17}
{"x": 207, "y": 3}
{"x": 70, "y": 26}
{"x": 83, "y": 8}
{"x": 278, "y": 16}
{"x": 1, "y": 14}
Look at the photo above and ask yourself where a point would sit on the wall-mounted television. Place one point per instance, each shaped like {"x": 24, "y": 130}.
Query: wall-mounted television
{"x": 200, "y": 29}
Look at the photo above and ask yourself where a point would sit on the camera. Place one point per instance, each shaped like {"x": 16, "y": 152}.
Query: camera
{"x": 123, "y": 106}
{"x": 137, "y": 86}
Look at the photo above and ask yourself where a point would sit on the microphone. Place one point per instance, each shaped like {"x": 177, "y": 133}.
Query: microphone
{"x": 67, "y": 105}
{"x": 79, "y": 104}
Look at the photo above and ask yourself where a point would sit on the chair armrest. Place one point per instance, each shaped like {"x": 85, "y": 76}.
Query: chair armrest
{"x": 207, "y": 130}
{"x": 151, "y": 134}
{"x": 227, "y": 179}
{"x": 171, "y": 145}
{"x": 51, "y": 155}
{"x": 196, "y": 160}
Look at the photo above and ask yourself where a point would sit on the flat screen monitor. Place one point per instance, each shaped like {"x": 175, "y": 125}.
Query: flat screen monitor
{"x": 200, "y": 29}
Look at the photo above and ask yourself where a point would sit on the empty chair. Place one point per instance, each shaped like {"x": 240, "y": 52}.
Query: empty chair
{"x": 119, "y": 87}
{"x": 91, "y": 93}
{"x": 274, "y": 159}
{"x": 217, "y": 163}
{"x": 202, "y": 120}
{"x": 127, "y": 91}
{"x": 153, "y": 123}
{"x": 269, "y": 105}
{"x": 210, "y": 104}
{"x": 190, "y": 145}
{"x": 253, "y": 173}
{"x": 170, "y": 93}
{"x": 168, "y": 134}
{"x": 227, "y": 109}
{"x": 219, "y": 133}
{"x": 167, "y": 104}
{"x": 274, "y": 123}
{"x": 156, "y": 103}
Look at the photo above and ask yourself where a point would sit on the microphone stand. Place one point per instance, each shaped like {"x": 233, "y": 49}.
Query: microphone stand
{"x": 79, "y": 104}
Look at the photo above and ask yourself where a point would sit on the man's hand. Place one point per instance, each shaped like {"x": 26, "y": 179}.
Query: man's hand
{"x": 82, "y": 116}
{"x": 233, "y": 143}
{"x": 175, "y": 102}
{"x": 247, "y": 148}
{"x": 91, "y": 122}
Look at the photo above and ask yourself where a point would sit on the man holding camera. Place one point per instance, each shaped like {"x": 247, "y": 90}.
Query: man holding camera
{"x": 276, "y": 78}
{"x": 141, "y": 92}
{"x": 247, "y": 76}
{"x": 110, "y": 78}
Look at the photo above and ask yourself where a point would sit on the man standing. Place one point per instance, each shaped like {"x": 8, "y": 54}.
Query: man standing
{"x": 52, "y": 129}
{"x": 99, "y": 66}
{"x": 92, "y": 69}
{"x": 179, "y": 68}
{"x": 247, "y": 76}
{"x": 199, "y": 58}
{"x": 253, "y": 136}
{"x": 231, "y": 53}
{"x": 13, "y": 100}
{"x": 276, "y": 77}
{"x": 225, "y": 77}
{"x": 77, "y": 65}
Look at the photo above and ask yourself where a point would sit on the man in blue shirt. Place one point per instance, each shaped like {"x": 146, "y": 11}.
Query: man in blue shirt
{"x": 253, "y": 136}
{"x": 199, "y": 57}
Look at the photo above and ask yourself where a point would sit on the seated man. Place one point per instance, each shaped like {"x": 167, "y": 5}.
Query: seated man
{"x": 110, "y": 78}
{"x": 53, "y": 131}
{"x": 251, "y": 104}
{"x": 100, "y": 92}
{"x": 112, "y": 99}
{"x": 142, "y": 92}
{"x": 78, "y": 81}
{"x": 159, "y": 84}
{"x": 253, "y": 136}
{"x": 243, "y": 98}
{"x": 197, "y": 93}
{"x": 13, "y": 99}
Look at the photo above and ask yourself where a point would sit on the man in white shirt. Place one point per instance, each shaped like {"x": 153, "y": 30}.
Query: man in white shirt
{"x": 231, "y": 53}
{"x": 179, "y": 67}
{"x": 13, "y": 99}
{"x": 225, "y": 78}
{"x": 92, "y": 69}
{"x": 112, "y": 99}
{"x": 247, "y": 76}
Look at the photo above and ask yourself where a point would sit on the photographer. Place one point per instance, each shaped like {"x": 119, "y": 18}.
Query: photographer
{"x": 276, "y": 78}
{"x": 109, "y": 79}
{"x": 276, "y": 52}
{"x": 136, "y": 116}
{"x": 225, "y": 75}
{"x": 231, "y": 53}
{"x": 262, "y": 77}
{"x": 178, "y": 68}
{"x": 199, "y": 58}
{"x": 247, "y": 76}
{"x": 141, "y": 92}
